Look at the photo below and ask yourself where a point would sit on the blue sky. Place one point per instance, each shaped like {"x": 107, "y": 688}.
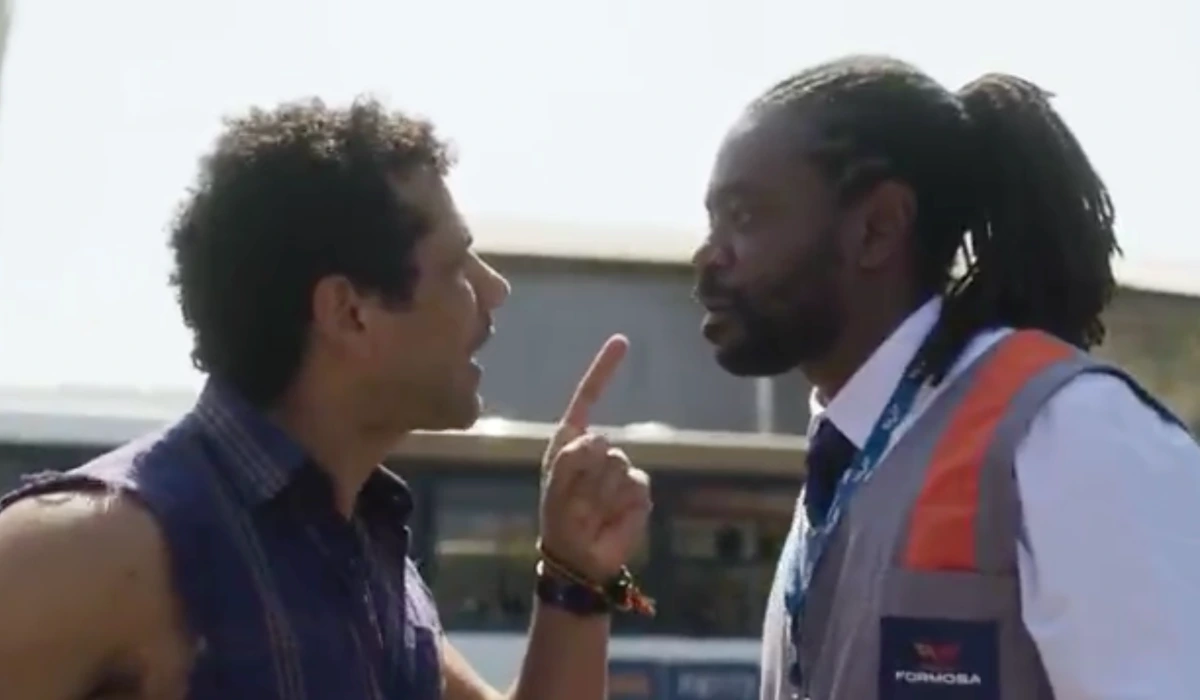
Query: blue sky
{"x": 593, "y": 111}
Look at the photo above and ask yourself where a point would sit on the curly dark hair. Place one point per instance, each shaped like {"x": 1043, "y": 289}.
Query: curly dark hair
{"x": 1013, "y": 226}
{"x": 285, "y": 198}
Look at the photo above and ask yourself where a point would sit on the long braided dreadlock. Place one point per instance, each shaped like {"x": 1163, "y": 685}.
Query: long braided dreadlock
{"x": 1013, "y": 226}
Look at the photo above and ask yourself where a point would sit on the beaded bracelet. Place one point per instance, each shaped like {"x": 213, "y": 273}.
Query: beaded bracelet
{"x": 621, "y": 592}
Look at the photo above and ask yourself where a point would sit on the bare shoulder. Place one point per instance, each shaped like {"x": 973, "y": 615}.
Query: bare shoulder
{"x": 82, "y": 577}
{"x": 80, "y": 541}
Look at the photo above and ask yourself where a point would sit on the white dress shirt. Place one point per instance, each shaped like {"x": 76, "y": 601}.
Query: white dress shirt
{"x": 1109, "y": 552}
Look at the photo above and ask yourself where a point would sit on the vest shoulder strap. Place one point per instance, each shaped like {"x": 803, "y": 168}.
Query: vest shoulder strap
{"x": 943, "y": 524}
{"x": 967, "y": 515}
{"x": 1000, "y": 505}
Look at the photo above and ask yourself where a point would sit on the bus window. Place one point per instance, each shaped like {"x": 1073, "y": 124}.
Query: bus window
{"x": 724, "y": 545}
{"x": 485, "y": 531}
{"x": 10, "y": 473}
{"x": 20, "y": 460}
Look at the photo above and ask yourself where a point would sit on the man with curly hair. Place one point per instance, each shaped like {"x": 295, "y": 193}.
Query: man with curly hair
{"x": 256, "y": 549}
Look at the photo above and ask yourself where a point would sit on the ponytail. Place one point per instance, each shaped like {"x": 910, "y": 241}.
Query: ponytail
{"x": 1013, "y": 226}
{"x": 1038, "y": 249}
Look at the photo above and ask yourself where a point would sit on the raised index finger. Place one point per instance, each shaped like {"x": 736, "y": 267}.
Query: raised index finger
{"x": 594, "y": 381}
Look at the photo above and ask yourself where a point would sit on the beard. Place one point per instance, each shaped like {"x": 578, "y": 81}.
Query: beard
{"x": 765, "y": 328}
{"x": 777, "y": 338}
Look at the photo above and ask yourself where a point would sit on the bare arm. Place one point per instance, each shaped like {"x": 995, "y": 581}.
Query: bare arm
{"x": 459, "y": 680}
{"x": 567, "y": 659}
{"x": 81, "y": 576}
{"x": 594, "y": 510}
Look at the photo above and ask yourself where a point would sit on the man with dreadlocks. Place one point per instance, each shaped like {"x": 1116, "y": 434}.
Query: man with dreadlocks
{"x": 988, "y": 512}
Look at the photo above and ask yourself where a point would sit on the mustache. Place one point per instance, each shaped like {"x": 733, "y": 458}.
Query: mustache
{"x": 709, "y": 291}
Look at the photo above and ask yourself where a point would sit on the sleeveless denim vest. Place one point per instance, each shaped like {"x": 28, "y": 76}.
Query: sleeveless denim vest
{"x": 284, "y": 599}
{"x": 918, "y": 596}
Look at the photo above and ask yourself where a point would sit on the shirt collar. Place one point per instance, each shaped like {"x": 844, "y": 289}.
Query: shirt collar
{"x": 260, "y": 460}
{"x": 860, "y": 402}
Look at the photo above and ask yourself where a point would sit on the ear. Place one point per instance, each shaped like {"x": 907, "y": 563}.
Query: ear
{"x": 888, "y": 214}
{"x": 337, "y": 309}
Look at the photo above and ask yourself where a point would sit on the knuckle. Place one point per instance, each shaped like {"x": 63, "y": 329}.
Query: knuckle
{"x": 576, "y": 445}
{"x": 598, "y": 443}
{"x": 616, "y": 454}
{"x": 639, "y": 477}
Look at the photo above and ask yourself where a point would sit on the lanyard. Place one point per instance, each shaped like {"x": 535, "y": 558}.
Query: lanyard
{"x": 816, "y": 539}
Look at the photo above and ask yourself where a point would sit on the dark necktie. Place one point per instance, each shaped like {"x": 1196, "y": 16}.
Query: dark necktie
{"x": 829, "y": 455}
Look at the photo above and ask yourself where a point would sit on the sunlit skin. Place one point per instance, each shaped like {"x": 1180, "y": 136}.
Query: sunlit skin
{"x": 789, "y": 276}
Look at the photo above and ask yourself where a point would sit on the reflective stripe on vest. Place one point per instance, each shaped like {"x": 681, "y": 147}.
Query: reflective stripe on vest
{"x": 943, "y": 531}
